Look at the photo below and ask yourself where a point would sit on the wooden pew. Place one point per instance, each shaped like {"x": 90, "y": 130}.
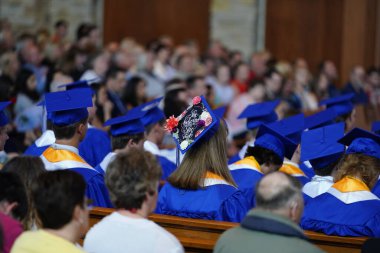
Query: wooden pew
{"x": 201, "y": 235}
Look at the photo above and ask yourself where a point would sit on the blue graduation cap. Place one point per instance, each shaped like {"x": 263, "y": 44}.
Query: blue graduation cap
{"x": 197, "y": 123}
{"x": 262, "y": 113}
{"x": 271, "y": 139}
{"x": 320, "y": 119}
{"x": 291, "y": 127}
{"x": 68, "y": 107}
{"x": 151, "y": 113}
{"x": 360, "y": 141}
{"x": 376, "y": 127}
{"x": 220, "y": 111}
{"x": 3, "y": 117}
{"x": 320, "y": 146}
{"x": 126, "y": 124}
{"x": 341, "y": 104}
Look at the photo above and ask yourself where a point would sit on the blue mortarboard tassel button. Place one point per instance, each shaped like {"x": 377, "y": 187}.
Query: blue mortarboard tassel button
{"x": 68, "y": 98}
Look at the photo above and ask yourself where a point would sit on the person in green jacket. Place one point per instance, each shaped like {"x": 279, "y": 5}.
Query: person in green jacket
{"x": 273, "y": 225}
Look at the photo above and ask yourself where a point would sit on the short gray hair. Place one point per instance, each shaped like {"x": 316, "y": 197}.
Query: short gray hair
{"x": 276, "y": 191}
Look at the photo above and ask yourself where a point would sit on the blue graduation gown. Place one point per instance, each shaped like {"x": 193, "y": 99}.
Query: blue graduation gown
{"x": 294, "y": 170}
{"x": 33, "y": 150}
{"x": 58, "y": 157}
{"x": 307, "y": 169}
{"x": 247, "y": 173}
{"x": 218, "y": 200}
{"x": 348, "y": 208}
{"x": 95, "y": 146}
{"x": 376, "y": 189}
{"x": 167, "y": 166}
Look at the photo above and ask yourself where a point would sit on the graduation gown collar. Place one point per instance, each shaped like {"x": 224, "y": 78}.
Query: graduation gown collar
{"x": 248, "y": 162}
{"x": 350, "y": 184}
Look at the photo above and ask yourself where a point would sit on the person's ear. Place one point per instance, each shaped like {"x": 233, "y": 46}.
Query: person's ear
{"x": 78, "y": 214}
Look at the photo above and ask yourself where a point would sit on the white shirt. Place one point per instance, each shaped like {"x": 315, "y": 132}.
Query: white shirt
{"x": 117, "y": 233}
{"x": 318, "y": 185}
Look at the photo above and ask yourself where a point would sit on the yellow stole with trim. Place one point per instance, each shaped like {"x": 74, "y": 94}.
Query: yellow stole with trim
{"x": 59, "y": 155}
{"x": 291, "y": 169}
{"x": 251, "y": 161}
{"x": 350, "y": 184}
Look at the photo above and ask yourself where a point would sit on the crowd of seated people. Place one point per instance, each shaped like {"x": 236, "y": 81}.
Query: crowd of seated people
{"x": 164, "y": 129}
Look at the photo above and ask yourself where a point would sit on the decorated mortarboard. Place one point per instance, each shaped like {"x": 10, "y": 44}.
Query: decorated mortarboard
{"x": 341, "y": 104}
{"x": 262, "y": 113}
{"x": 320, "y": 146}
{"x": 275, "y": 141}
{"x": 151, "y": 112}
{"x": 3, "y": 117}
{"x": 360, "y": 141}
{"x": 320, "y": 119}
{"x": 126, "y": 124}
{"x": 220, "y": 111}
{"x": 198, "y": 122}
{"x": 291, "y": 127}
{"x": 376, "y": 127}
{"x": 68, "y": 107}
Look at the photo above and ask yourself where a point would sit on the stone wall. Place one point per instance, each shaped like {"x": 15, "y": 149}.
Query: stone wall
{"x": 239, "y": 24}
{"x": 31, "y": 15}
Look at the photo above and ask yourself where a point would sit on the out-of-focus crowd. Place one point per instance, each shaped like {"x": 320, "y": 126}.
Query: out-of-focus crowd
{"x": 126, "y": 74}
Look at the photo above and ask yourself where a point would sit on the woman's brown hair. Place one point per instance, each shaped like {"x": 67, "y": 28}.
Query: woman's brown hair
{"x": 367, "y": 168}
{"x": 208, "y": 156}
{"x": 28, "y": 168}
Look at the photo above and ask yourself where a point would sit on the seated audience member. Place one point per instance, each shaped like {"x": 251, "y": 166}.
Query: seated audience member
{"x": 349, "y": 208}
{"x": 28, "y": 168}
{"x": 134, "y": 92}
{"x": 344, "y": 109}
{"x": 115, "y": 83}
{"x": 255, "y": 115}
{"x": 254, "y": 95}
{"x": 69, "y": 118}
{"x": 202, "y": 186}
{"x": 224, "y": 92}
{"x": 241, "y": 78}
{"x": 13, "y": 208}
{"x": 321, "y": 149}
{"x": 132, "y": 180}
{"x": 196, "y": 86}
{"x": 126, "y": 132}
{"x": 356, "y": 85}
{"x": 59, "y": 198}
{"x": 98, "y": 64}
{"x": 328, "y": 72}
{"x": 273, "y": 225}
{"x": 273, "y": 84}
{"x": 266, "y": 156}
{"x": 176, "y": 97}
{"x": 292, "y": 128}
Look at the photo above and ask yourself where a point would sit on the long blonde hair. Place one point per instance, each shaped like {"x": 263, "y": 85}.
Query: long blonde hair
{"x": 208, "y": 156}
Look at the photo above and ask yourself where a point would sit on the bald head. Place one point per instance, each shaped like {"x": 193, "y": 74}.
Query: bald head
{"x": 277, "y": 191}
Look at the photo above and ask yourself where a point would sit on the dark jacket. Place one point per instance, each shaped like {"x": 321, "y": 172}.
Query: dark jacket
{"x": 265, "y": 232}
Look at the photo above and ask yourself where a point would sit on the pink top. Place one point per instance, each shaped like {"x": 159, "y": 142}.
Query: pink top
{"x": 11, "y": 230}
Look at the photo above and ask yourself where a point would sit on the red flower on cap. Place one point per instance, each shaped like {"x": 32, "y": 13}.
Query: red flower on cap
{"x": 171, "y": 123}
{"x": 196, "y": 100}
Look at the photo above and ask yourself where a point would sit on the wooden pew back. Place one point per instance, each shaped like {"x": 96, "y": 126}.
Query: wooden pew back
{"x": 201, "y": 235}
